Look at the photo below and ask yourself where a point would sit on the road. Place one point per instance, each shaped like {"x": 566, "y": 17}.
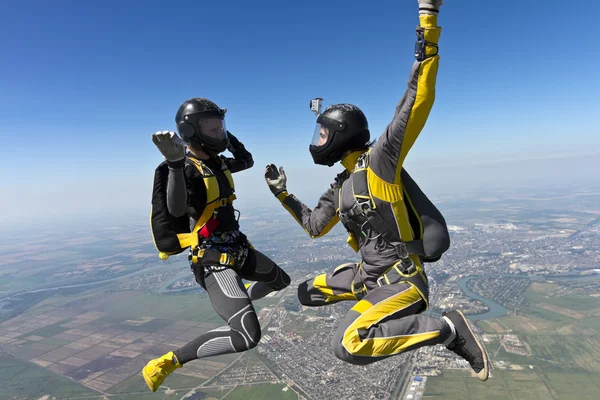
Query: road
{"x": 403, "y": 378}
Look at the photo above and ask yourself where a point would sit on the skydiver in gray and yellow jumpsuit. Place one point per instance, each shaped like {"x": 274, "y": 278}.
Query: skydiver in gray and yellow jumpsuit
{"x": 373, "y": 198}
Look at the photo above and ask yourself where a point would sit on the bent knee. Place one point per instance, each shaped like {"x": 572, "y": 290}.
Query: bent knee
{"x": 343, "y": 354}
{"x": 283, "y": 281}
{"x": 253, "y": 338}
{"x": 255, "y": 335}
{"x": 303, "y": 295}
{"x": 248, "y": 327}
{"x": 251, "y": 329}
{"x": 348, "y": 355}
{"x": 339, "y": 351}
{"x": 309, "y": 296}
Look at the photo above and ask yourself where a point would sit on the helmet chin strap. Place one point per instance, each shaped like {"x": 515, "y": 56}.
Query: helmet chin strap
{"x": 199, "y": 151}
{"x": 211, "y": 153}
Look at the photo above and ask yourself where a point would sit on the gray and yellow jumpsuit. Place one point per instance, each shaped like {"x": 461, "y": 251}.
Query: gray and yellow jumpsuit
{"x": 386, "y": 319}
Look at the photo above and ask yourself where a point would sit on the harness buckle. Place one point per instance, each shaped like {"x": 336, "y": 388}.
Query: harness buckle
{"x": 401, "y": 251}
{"x": 343, "y": 218}
{"x": 227, "y": 259}
{"x": 358, "y": 286}
{"x": 407, "y": 266}
{"x": 359, "y": 208}
{"x": 364, "y": 206}
{"x": 196, "y": 255}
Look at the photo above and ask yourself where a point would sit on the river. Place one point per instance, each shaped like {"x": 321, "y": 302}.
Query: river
{"x": 497, "y": 310}
{"x": 76, "y": 285}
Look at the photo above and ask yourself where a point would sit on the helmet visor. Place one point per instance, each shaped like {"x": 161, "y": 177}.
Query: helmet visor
{"x": 320, "y": 135}
{"x": 212, "y": 129}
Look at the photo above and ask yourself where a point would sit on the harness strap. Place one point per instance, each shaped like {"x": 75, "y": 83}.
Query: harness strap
{"x": 363, "y": 210}
{"x": 212, "y": 257}
{"x": 399, "y": 272}
{"x": 192, "y": 239}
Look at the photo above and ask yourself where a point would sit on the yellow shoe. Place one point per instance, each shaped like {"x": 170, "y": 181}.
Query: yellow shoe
{"x": 247, "y": 285}
{"x": 157, "y": 370}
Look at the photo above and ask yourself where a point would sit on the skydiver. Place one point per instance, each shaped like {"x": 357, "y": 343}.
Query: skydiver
{"x": 370, "y": 199}
{"x": 200, "y": 189}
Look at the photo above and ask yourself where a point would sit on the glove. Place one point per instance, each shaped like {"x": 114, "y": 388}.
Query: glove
{"x": 275, "y": 179}
{"x": 170, "y": 145}
{"x": 429, "y": 7}
{"x": 233, "y": 144}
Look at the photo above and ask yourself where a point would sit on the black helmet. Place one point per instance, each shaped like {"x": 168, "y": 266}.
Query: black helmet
{"x": 341, "y": 127}
{"x": 201, "y": 123}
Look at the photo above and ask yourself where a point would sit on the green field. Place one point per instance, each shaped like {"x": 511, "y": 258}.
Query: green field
{"x": 23, "y": 380}
{"x": 261, "y": 391}
{"x": 48, "y": 331}
{"x": 176, "y": 319}
{"x": 191, "y": 307}
{"x": 122, "y": 306}
{"x": 176, "y": 381}
{"x": 563, "y": 333}
{"x": 573, "y": 301}
{"x": 455, "y": 385}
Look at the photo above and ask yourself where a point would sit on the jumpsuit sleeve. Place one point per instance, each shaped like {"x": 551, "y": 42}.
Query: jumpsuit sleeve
{"x": 177, "y": 196}
{"x": 388, "y": 154}
{"x": 242, "y": 158}
{"x": 185, "y": 195}
{"x": 316, "y": 222}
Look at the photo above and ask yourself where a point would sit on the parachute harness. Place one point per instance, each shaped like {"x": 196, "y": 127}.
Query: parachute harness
{"x": 363, "y": 213}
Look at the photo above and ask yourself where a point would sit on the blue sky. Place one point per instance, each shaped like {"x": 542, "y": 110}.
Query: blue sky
{"x": 83, "y": 85}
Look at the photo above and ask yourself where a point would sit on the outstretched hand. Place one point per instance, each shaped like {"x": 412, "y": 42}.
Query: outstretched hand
{"x": 170, "y": 145}
{"x": 276, "y": 179}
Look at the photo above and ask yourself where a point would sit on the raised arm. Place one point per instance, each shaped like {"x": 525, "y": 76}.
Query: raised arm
{"x": 316, "y": 222}
{"x": 391, "y": 149}
{"x": 242, "y": 159}
{"x": 173, "y": 149}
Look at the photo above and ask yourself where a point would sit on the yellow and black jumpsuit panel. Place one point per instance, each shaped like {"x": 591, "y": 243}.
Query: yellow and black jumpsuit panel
{"x": 411, "y": 113}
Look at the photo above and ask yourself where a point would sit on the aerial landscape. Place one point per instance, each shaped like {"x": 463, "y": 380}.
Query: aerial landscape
{"x": 157, "y": 157}
{"x": 83, "y": 313}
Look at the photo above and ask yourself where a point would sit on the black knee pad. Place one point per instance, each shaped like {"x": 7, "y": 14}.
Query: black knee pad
{"x": 304, "y": 294}
{"x": 283, "y": 281}
{"x": 278, "y": 279}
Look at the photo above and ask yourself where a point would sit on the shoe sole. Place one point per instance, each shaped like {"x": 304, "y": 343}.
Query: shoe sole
{"x": 148, "y": 380}
{"x": 485, "y": 372}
